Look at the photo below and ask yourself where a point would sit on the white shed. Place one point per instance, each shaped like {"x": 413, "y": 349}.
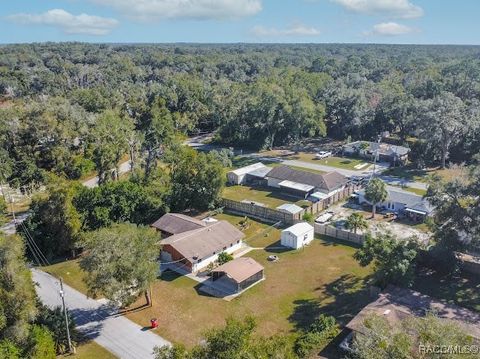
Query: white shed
{"x": 297, "y": 235}
{"x": 239, "y": 176}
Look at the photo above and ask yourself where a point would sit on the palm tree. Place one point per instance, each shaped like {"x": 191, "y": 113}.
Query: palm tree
{"x": 376, "y": 192}
{"x": 356, "y": 221}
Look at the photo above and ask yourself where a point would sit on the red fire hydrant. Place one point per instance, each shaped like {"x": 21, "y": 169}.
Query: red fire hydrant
{"x": 153, "y": 323}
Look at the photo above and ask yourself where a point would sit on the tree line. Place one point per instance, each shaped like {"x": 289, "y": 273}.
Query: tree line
{"x": 76, "y": 108}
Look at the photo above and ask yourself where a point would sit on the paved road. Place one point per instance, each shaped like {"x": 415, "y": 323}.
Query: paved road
{"x": 123, "y": 168}
{"x": 98, "y": 321}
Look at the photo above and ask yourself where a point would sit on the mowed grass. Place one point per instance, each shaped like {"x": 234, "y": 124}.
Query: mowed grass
{"x": 423, "y": 175}
{"x": 90, "y": 350}
{"x": 322, "y": 278}
{"x": 339, "y": 162}
{"x": 267, "y": 196}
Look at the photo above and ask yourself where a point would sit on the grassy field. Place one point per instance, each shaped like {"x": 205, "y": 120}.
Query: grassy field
{"x": 323, "y": 278}
{"x": 339, "y": 162}
{"x": 418, "y": 175}
{"x": 90, "y": 350}
{"x": 270, "y": 198}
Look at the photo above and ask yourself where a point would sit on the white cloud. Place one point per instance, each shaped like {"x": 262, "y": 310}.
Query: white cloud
{"x": 186, "y": 9}
{"x": 295, "y": 30}
{"x": 68, "y": 23}
{"x": 392, "y": 8}
{"x": 390, "y": 29}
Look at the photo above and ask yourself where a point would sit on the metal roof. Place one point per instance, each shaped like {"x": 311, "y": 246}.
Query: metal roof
{"x": 299, "y": 228}
{"x": 290, "y": 208}
{"x": 250, "y": 168}
{"x": 408, "y": 199}
{"x": 295, "y": 185}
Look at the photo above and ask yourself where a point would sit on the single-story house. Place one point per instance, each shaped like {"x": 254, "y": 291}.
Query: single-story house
{"x": 194, "y": 250}
{"x": 303, "y": 183}
{"x": 256, "y": 171}
{"x": 396, "y": 304}
{"x": 290, "y": 208}
{"x": 238, "y": 274}
{"x": 413, "y": 206}
{"x": 297, "y": 236}
{"x": 175, "y": 223}
{"x": 396, "y": 155}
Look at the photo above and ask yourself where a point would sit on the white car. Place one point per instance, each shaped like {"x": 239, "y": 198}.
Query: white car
{"x": 323, "y": 154}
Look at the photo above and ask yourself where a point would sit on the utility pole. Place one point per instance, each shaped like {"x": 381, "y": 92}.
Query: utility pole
{"x": 62, "y": 294}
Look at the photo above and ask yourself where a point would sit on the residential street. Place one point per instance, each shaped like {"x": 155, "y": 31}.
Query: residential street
{"x": 123, "y": 168}
{"x": 99, "y": 322}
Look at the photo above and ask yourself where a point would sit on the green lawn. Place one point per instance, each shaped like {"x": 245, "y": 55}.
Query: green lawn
{"x": 340, "y": 162}
{"x": 418, "y": 175}
{"x": 269, "y": 197}
{"x": 90, "y": 350}
{"x": 322, "y": 278}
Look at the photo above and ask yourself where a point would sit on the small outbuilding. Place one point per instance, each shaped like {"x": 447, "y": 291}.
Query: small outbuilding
{"x": 238, "y": 274}
{"x": 290, "y": 208}
{"x": 297, "y": 235}
{"x": 256, "y": 171}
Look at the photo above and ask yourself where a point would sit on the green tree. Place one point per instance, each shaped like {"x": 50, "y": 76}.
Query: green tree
{"x": 394, "y": 260}
{"x": 320, "y": 333}
{"x": 9, "y": 350}
{"x": 376, "y": 192}
{"x": 308, "y": 217}
{"x": 457, "y": 216}
{"x": 356, "y": 221}
{"x": 110, "y": 142}
{"x": 17, "y": 294}
{"x": 54, "y": 320}
{"x": 196, "y": 179}
{"x": 234, "y": 341}
{"x": 380, "y": 339}
{"x": 41, "y": 343}
{"x": 54, "y": 222}
{"x": 121, "y": 262}
{"x": 121, "y": 201}
{"x": 224, "y": 257}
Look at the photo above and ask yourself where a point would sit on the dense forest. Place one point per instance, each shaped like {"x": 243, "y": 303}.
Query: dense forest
{"x": 74, "y": 108}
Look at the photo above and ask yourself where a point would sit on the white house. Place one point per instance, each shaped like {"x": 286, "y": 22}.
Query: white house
{"x": 297, "y": 235}
{"x": 243, "y": 174}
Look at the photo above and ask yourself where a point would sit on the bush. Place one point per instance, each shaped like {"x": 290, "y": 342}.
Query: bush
{"x": 308, "y": 217}
{"x": 320, "y": 333}
{"x": 224, "y": 257}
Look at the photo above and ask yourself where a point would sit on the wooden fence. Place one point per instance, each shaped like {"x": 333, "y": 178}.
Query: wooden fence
{"x": 344, "y": 235}
{"x": 274, "y": 215}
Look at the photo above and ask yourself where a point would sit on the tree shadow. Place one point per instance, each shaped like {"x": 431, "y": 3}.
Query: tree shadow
{"x": 169, "y": 275}
{"x": 89, "y": 322}
{"x": 342, "y": 298}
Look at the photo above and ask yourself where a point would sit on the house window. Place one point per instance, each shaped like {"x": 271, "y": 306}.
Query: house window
{"x": 224, "y": 248}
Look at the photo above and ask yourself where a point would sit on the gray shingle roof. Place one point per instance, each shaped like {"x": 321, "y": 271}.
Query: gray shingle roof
{"x": 203, "y": 242}
{"x": 328, "y": 181}
{"x": 175, "y": 223}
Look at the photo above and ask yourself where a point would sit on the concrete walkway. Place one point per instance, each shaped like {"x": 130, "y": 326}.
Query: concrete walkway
{"x": 124, "y": 167}
{"x": 98, "y": 321}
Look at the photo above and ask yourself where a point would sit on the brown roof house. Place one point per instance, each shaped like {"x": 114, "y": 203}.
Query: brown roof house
{"x": 237, "y": 275}
{"x": 305, "y": 183}
{"x": 192, "y": 251}
{"x": 175, "y": 223}
{"x": 396, "y": 304}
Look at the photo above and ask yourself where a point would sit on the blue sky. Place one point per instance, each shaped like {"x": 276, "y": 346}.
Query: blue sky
{"x": 316, "y": 21}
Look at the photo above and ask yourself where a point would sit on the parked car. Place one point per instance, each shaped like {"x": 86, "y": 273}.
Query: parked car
{"x": 323, "y": 154}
